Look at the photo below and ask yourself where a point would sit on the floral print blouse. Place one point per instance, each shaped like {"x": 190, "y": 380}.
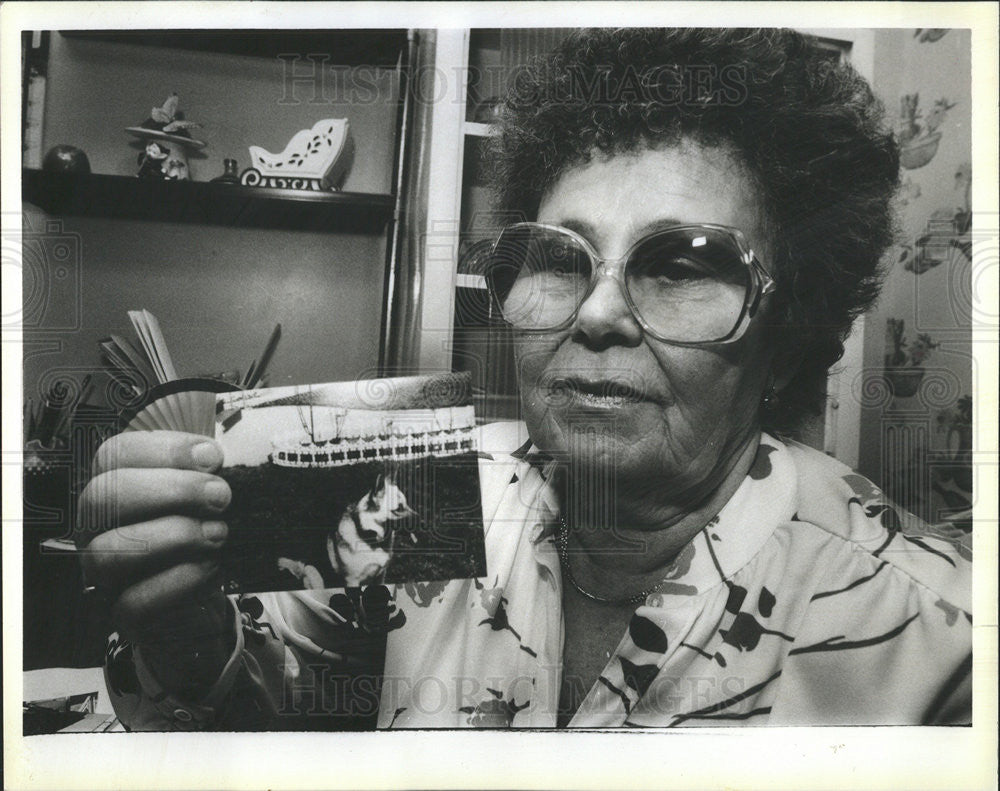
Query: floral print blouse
{"x": 809, "y": 599}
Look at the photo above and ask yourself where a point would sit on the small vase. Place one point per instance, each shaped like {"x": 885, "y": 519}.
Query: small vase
{"x": 230, "y": 174}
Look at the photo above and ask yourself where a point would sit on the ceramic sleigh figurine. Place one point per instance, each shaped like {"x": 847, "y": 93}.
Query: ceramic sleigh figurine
{"x": 314, "y": 159}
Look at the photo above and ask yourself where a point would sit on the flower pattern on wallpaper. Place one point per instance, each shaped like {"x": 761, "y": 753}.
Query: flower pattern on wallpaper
{"x": 952, "y": 477}
{"x": 928, "y": 35}
{"x": 926, "y": 377}
{"x": 947, "y": 237}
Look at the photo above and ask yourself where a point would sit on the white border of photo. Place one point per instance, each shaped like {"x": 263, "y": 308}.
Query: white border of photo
{"x": 799, "y": 758}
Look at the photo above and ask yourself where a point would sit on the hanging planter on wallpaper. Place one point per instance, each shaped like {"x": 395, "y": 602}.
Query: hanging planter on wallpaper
{"x": 904, "y": 369}
{"x": 918, "y": 137}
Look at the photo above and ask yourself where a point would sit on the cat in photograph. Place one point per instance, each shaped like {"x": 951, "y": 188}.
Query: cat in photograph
{"x": 360, "y": 546}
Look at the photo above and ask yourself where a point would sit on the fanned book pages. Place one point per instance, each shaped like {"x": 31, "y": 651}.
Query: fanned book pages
{"x": 161, "y": 400}
{"x": 181, "y": 405}
{"x": 148, "y": 329}
{"x": 352, "y": 484}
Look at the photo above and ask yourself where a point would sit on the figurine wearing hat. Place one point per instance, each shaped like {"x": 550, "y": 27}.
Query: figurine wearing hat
{"x": 168, "y": 142}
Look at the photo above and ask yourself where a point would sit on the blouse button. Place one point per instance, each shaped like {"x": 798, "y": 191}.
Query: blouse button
{"x": 182, "y": 715}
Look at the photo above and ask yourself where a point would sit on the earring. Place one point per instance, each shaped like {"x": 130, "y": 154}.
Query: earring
{"x": 770, "y": 400}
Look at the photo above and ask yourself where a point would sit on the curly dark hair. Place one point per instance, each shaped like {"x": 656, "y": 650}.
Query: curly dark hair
{"x": 808, "y": 130}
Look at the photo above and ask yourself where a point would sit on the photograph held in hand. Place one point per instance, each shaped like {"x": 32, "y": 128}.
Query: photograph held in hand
{"x": 350, "y": 484}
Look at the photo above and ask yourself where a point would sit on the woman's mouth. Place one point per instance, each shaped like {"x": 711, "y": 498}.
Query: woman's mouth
{"x": 593, "y": 393}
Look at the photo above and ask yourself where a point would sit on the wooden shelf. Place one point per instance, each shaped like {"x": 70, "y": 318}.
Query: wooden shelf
{"x": 382, "y": 48}
{"x": 130, "y": 198}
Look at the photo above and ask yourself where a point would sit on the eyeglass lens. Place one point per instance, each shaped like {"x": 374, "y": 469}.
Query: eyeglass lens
{"x": 686, "y": 284}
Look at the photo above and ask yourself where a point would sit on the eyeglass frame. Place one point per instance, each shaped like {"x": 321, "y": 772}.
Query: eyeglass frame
{"x": 761, "y": 280}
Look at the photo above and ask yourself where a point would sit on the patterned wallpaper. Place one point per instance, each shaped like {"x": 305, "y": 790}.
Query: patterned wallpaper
{"x": 919, "y": 373}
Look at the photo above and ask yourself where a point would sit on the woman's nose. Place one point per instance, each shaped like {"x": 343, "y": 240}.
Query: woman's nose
{"x": 604, "y": 318}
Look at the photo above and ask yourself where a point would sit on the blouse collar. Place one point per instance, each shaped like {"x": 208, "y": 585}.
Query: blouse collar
{"x": 764, "y": 500}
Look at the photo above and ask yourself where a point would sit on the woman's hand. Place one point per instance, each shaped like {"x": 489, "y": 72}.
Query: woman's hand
{"x": 149, "y": 532}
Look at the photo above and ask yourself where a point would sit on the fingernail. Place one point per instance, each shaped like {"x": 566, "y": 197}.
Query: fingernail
{"x": 217, "y": 494}
{"x": 214, "y": 531}
{"x": 206, "y": 454}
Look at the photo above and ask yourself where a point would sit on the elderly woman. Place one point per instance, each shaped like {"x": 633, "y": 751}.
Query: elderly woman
{"x": 704, "y": 215}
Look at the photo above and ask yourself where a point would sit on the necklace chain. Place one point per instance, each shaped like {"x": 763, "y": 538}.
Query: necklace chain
{"x": 563, "y": 544}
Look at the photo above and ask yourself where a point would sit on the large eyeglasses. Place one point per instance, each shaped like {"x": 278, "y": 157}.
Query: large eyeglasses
{"x": 688, "y": 284}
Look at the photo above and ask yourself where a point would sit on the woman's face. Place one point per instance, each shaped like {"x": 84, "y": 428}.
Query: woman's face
{"x": 687, "y": 410}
